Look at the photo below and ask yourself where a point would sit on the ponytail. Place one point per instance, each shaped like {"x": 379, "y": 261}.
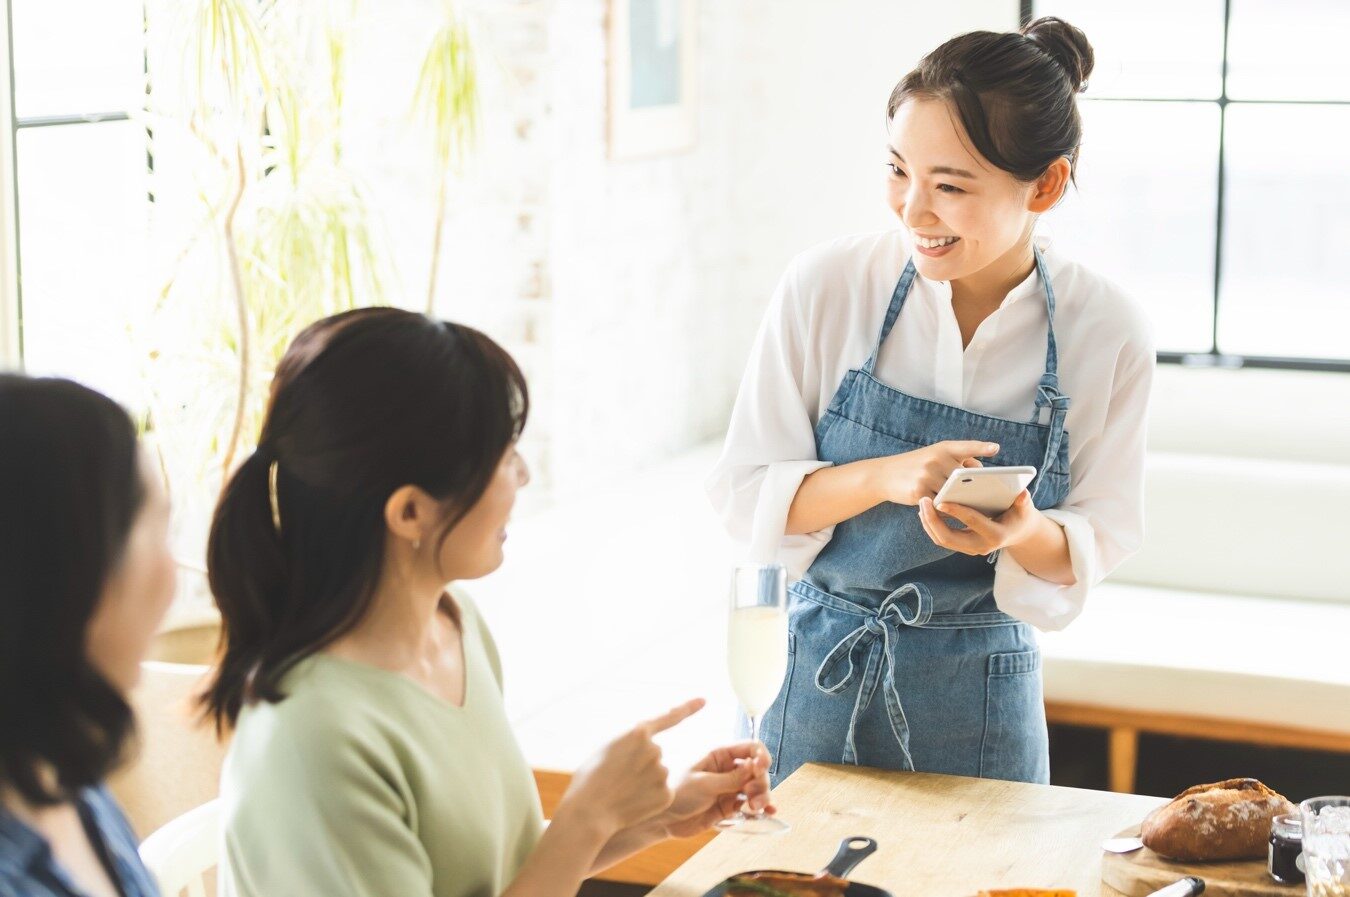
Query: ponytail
{"x": 285, "y": 587}
{"x": 247, "y": 572}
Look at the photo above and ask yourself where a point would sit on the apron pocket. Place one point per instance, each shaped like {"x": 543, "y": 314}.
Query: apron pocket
{"x": 1016, "y": 746}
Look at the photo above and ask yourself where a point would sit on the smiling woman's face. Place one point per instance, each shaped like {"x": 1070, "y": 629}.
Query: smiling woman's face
{"x": 963, "y": 214}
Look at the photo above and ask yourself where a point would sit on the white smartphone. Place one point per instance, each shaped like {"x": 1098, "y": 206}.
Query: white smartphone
{"x": 989, "y": 490}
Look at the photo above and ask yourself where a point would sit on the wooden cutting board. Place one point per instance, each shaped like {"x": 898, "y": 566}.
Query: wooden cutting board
{"x": 1141, "y": 873}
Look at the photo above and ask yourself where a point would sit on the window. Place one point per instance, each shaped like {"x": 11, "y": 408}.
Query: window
{"x": 1214, "y": 180}
{"x": 281, "y": 169}
{"x": 81, "y": 172}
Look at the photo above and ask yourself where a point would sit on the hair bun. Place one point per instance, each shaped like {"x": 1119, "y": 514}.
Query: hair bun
{"x": 1066, "y": 44}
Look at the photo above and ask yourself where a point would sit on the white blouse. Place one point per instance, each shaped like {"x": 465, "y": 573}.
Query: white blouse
{"x": 823, "y": 321}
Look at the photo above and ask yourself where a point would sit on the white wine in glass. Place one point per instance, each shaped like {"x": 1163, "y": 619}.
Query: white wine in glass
{"x": 757, "y": 649}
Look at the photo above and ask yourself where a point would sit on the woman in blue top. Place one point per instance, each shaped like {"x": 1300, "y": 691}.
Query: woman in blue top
{"x": 85, "y": 578}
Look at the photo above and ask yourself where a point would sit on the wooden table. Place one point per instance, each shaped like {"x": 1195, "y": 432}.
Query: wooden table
{"x": 940, "y": 836}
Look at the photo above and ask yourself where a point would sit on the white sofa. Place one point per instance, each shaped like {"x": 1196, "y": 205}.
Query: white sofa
{"x": 1233, "y": 621}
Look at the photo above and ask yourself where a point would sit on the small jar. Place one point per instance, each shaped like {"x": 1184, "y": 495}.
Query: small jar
{"x": 1286, "y": 849}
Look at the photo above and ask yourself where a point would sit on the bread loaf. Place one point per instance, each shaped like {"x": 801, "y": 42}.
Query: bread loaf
{"x": 1223, "y": 821}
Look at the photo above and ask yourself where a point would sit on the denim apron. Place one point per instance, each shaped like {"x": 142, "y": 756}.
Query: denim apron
{"x": 884, "y": 609}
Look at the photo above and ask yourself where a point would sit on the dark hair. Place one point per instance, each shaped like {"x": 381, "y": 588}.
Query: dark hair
{"x": 70, "y": 491}
{"x": 362, "y": 404}
{"x": 1013, "y": 91}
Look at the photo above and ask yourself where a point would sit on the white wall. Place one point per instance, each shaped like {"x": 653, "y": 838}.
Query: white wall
{"x": 660, "y": 269}
{"x": 632, "y": 290}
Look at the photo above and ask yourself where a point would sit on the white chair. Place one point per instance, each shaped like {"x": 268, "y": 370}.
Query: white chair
{"x": 177, "y": 761}
{"x": 183, "y": 852}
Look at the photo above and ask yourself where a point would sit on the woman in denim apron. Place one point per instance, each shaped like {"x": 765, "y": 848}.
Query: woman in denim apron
{"x": 884, "y": 607}
{"x": 902, "y": 655}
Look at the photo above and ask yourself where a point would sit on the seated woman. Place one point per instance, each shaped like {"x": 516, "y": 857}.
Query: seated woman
{"x": 371, "y": 752}
{"x": 85, "y": 578}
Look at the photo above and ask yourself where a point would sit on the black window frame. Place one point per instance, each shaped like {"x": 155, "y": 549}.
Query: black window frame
{"x": 1214, "y": 358}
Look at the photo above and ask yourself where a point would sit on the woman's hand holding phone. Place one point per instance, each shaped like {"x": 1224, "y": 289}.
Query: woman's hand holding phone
{"x": 983, "y": 534}
{"x": 843, "y": 491}
{"x": 909, "y": 478}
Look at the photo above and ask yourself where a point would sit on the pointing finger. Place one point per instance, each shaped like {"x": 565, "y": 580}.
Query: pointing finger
{"x": 673, "y": 717}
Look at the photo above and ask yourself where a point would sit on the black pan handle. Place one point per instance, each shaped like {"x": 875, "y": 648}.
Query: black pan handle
{"x": 852, "y": 851}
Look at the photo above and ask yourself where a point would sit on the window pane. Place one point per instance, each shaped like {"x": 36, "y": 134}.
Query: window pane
{"x": 1289, "y": 50}
{"x": 82, "y": 250}
{"x": 1286, "y": 229}
{"x": 1143, "y": 213}
{"x": 73, "y": 57}
{"x": 1153, "y": 48}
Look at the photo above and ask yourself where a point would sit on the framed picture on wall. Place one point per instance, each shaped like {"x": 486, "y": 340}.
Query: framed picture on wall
{"x": 652, "y": 55}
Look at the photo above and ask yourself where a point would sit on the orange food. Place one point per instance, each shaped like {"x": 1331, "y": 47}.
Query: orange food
{"x": 1028, "y": 892}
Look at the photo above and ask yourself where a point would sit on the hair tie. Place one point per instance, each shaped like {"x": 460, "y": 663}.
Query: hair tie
{"x": 272, "y": 495}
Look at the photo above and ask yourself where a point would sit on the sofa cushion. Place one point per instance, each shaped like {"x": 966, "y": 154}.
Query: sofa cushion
{"x": 1245, "y": 526}
{"x": 1259, "y": 660}
{"x": 1251, "y": 413}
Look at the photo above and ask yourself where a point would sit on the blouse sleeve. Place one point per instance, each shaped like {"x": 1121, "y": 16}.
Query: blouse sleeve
{"x": 771, "y": 445}
{"x": 1103, "y": 514}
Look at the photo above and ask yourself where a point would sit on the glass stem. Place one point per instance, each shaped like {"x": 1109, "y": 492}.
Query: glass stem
{"x": 754, "y": 737}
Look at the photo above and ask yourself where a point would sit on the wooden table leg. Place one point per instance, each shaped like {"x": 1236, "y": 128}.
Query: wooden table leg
{"x": 1123, "y": 758}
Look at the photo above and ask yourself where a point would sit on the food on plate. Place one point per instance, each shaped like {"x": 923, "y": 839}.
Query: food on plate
{"x": 1227, "y": 820}
{"x": 785, "y": 884}
{"x": 1028, "y": 892}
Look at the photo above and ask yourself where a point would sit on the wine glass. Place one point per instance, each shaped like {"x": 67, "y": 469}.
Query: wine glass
{"x": 757, "y": 648}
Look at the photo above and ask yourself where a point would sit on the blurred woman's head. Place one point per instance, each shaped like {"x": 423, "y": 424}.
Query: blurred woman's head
{"x": 86, "y": 576}
{"x": 387, "y": 454}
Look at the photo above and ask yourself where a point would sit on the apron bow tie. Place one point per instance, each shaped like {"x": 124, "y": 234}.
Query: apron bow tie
{"x": 860, "y": 649}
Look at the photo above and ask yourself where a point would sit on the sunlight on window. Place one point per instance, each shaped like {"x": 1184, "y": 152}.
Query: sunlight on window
{"x": 84, "y": 218}
{"x": 1150, "y": 48}
{"x": 77, "y": 58}
{"x": 1274, "y": 53}
{"x": 1286, "y": 232}
{"x": 1143, "y": 211}
{"x": 1148, "y": 211}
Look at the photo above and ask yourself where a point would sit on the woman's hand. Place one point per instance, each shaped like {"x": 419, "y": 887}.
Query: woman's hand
{"x": 625, "y": 783}
{"x": 1035, "y": 541}
{"x": 711, "y": 791}
{"x": 983, "y": 535}
{"x": 841, "y": 492}
{"x": 910, "y": 478}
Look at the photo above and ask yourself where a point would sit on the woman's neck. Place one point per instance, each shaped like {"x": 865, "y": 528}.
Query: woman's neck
{"x": 399, "y": 630}
{"x": 991, "y": 284}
